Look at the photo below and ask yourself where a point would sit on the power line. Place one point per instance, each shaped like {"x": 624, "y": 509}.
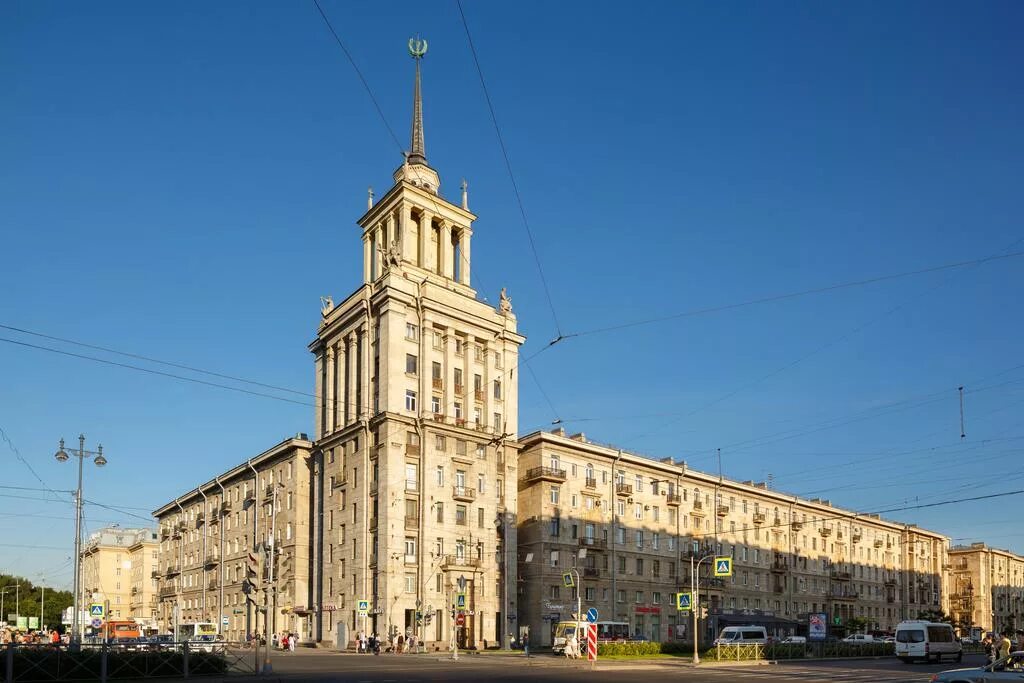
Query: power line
{"x": 793, "y": 295}
{"x": 152, "y": 360}
{"x": 17, "y": 454}
{"x": 170, "y": 375}
{"x": 511, "y": 175}
{"x": 359, "y": 73}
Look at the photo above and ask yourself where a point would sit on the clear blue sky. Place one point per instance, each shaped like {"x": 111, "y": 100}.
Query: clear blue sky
{"x": 181, "y": 180}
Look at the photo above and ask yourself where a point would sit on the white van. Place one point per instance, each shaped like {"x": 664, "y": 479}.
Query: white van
{"x": 742, "y": 635}
{"x": 926, "y": 640}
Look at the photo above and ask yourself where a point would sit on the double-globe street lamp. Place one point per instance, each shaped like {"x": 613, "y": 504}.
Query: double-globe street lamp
{"x": 62, "y": 456}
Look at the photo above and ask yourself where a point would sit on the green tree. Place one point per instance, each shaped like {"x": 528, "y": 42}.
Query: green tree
{"x": 30, "y": 599}
{"x": 857, "y": 624}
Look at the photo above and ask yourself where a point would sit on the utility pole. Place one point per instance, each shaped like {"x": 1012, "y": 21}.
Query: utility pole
{"x": 270, "y": 595}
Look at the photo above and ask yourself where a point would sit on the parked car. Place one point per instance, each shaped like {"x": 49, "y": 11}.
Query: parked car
{"x": 793, "y": 640}
{"x": 163, "y": 641}
{"x": 1007, "y": 669}
{"x": 859, "y": 639}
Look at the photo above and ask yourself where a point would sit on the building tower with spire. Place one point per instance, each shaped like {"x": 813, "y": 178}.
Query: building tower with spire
{"x": 415, "y": 426}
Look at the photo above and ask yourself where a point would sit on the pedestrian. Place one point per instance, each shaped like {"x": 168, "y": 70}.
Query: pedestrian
{"x": 284, "y": 641}
{"x": 291, "y": 641}
{"x": 273, "y": 641}
{"x": 1004, "y": 646}
{"x": 526, "y": 642}
{"x": 366, "y": 643}
{"x": 400, "y": 645}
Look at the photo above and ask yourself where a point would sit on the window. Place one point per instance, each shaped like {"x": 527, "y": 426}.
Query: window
{"x": 638, "y": 484}
{"x": 410, "y": 400}
{"x": 481, "y": 451}
{"x": 439, "y": 475}
{"x": 554, "y": 527}
{"x": 656, "y": 569}
{"x": 410, "y": 583}
{"x": 590, "y": 593}
{"x": 412, "y": 476}
{"x": 435, "y": 405}
{"x": 497, "y": 389}
{"x": 553, "y": 495}
{"x": 438, "y": 340}
{"x": 460, "y": 346}
{"x": 460, "y": 515}
{"x": 639, "y": 566}
{"x": 480, "y": 518}
{"x": 458, "y": 380}
{"x": 654, "y": 540}
{"x": 553, "y": 591}
{"x": 410, "y": 364}
{"x": 639, "y": 538}
{"x": 553, "y": 558}
{"x": 655, "y": 598}
{"x": 575, "y": 501}
{"x": 478, "y": 385}
{"x": 620, "y": 596}
{"x": 410, "y": 331}
{"x": 638, "y": 597}
{"x": 481, "y": 483}
{"x": 638, "y": 511}
{"x": 410, "y": 549}
{"x": 497, "y": 423}
{"x": 440, "y": 511}
{"x": 497, "y": 360}
{"x": 435, "y": 374}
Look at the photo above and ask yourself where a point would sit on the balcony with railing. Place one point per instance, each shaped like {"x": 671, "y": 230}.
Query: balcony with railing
{"x": 760, "y": 518}
{"x": 825, "y": 531}
{"x": 673, "y": 499}
{"x": 796, "y": 525}
{"x": 778, "y": 587}
{"x": 437, "y": 383}
{"x": 723, "y": 510}
{"x": 840, "y": 576}
{"x": 857, "y": 537}
{"x": 172, "y": 570}
{"x": 200, "y": 519}
{"x": 412, "y": 522}
{"x": 412, "y": 449}
{"x": 168, "y": 591}
{"x": 451, "y": 561}
{"x": 623, "y": 489}
{"x": 779, "y": 565}
{"x": 212, "y": 585}
{"x": 591, "y": 573}
{"x": 698, "y": 508}
{"x": 843, "y": 593}
{"x": 478, "y": 394}
{"x": 464, "y": 493}
{"x": 225, "y": 507}
{"x": 595, "y": 543}
{"x": 212, "y": 560}
{"x": 591, "y": 483}
{"x": 268, "y": 491}
{"x": 889, "y": 581}
{"x": 535, "y": 474}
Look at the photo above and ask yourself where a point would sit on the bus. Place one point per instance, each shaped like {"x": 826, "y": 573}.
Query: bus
{"x": 199, "y": 632}
{"x": 607, "y": 632}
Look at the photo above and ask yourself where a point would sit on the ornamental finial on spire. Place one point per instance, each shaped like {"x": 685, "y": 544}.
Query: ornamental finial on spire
{"x": 417, "y": 151}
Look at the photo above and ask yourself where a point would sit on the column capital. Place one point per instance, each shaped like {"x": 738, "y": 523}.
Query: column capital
{"x": 329, "y": 353}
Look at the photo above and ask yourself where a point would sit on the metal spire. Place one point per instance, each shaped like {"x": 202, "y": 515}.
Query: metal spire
{"x": 417, "y": 153}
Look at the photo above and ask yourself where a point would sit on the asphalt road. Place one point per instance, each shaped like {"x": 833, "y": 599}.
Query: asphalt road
{"x": 323, "y": 665}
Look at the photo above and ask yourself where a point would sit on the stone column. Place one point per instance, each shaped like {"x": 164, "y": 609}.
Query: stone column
{"x": 319, "y": 410}
{"x": 364, "y": 371}
{"x": 449, "y": 374}
{"x": 367, "y": 259}
{"x": 339, "y": 384}
{"x": 426, "y": 229}
{"x": 406, "y": 248}
{"x": 464, "y": 260}
{"x": 329, "y": 425}
{"x": 445, "y": 267}
{"x": 353, "y": 378}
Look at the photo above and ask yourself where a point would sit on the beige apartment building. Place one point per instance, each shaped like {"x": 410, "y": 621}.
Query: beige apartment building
{"x": 986, "y": 588}
{"x": 642, "y": 522}
{"x": 416, "y": 427}
{"x": 117, "y": 566}
{"x": 254, "y": 515}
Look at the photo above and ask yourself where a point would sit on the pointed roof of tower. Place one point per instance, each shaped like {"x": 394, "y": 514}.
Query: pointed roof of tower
{"x": 414, "y": 168}
{"x": 417, "y": 150}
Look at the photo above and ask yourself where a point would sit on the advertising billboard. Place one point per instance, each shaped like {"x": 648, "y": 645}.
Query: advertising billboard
{"x": 817, "y": 625}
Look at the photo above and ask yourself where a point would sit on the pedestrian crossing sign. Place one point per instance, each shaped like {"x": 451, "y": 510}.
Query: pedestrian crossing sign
{"x": 683, "y": 602}
{"x": 364, "y": 607}
{"x": 96, "y": 610}
{"x": 567, "y": 580}
{"x": 460, "y": 601}
{"x": 723, "y": 566}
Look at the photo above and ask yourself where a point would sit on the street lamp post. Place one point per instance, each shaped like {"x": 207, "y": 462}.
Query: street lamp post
{"x": 694, "y": 600}
{"x": 62, "y": 456}
{"x": 3, "y": 614}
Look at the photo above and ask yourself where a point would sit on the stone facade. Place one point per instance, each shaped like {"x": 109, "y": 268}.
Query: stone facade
{"x": 117, "y": 567}
{"x": 640, "y": 522}
{"x": 986, "y": 588}
{"x": 415, "y": 430}
{"x": 208, "y": 534}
